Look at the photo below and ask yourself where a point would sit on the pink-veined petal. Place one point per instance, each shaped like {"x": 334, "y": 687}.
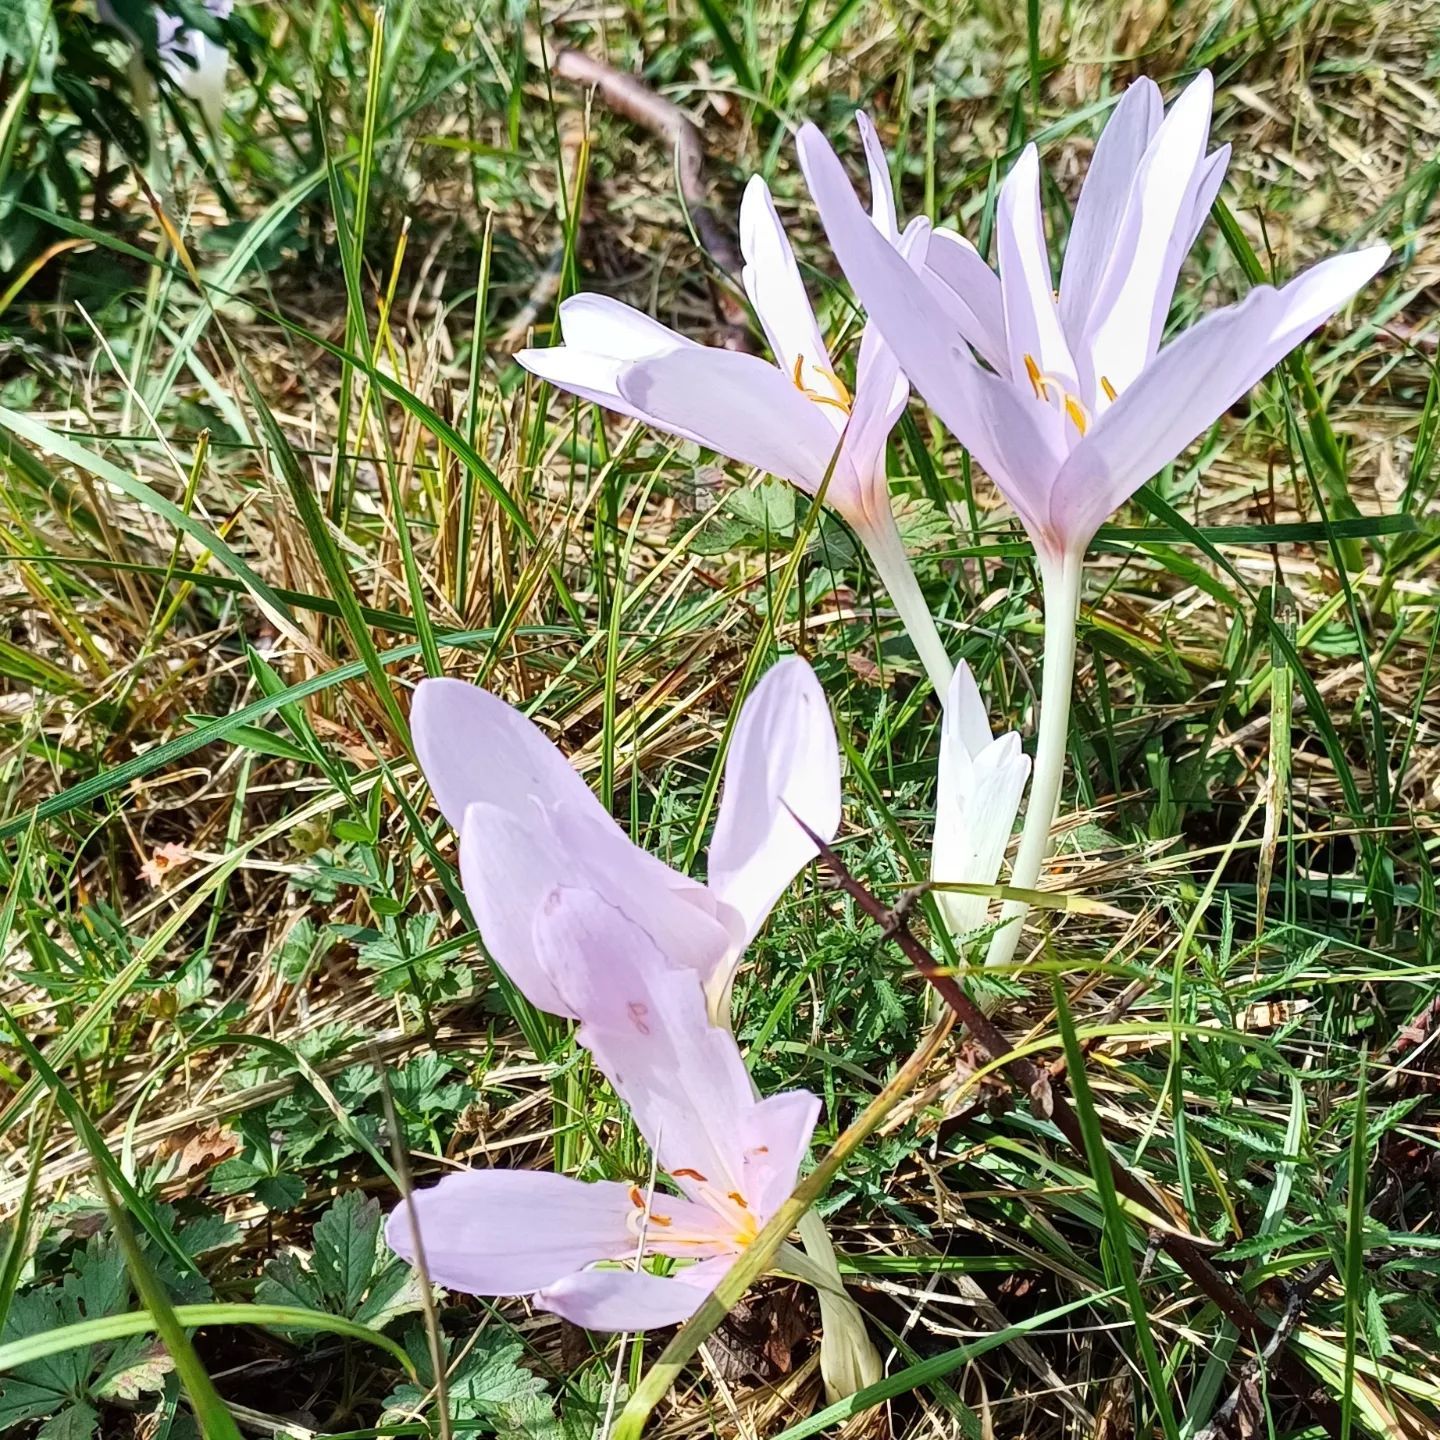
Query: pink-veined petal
{"x": 969, "y": 291}
{"x": 511, "y": 1232}
{"x": 646, "y": 1024}
{"x": 783, "y": 758}
{"x": 1018, "y": 441}
{"x": 1191, "y": 384}
{"x": 508, "y": 865}
{"x": 583, "y": 373}
{"x": 744, "y": 408}
{"x": 511, "y": 861}
{"x": 776, "y": 1140}
{"x": 1101, "y": 206}
{"x": 881, "y": 393}
{"x": 474, "y": 749}
{"x": 882, "y": 192}
{"x": 1032, "y": 326}
{"x": 1133, "y": 297}
{"x": 616, "y": 1300}
{"x": 691, "y": 926}
{"x": 773, "y": 283}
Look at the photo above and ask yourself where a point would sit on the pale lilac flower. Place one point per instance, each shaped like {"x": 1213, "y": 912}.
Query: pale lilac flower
{"x": 527, "y": 823}
{"x": 793, "y": 417}
{"x": 194, "y": 62}
{"x": 732, "y": 1158}
{"x": 1078, "y": 404}
{"x": 982, "y": 778}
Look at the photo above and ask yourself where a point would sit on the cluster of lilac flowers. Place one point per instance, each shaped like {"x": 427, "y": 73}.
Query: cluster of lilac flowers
{"x": 1070, "y": 401}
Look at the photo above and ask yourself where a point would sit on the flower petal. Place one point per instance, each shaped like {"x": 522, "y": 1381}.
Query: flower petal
{"x": 473, "y": 746}
{"x": 647, "y": 1027}
{"x": 609, "y": 327}
{"x": 881, "y": 394}
{"x": 975, "y": 814}
{"x": 1032, "y": 326}
{"x": 1207, "y": 187}
{"x": 882, "y": 192}
{"x": 1018, "y": 442}
{"x": 617, "y": 1300}
{"x": 783, "y": 758}
{"x": 690, "y": 925}
{"x": 1133, "y": 297}
{"x": 1192, "y": 383}
{"x": 741, "y": 407}
{"x": 1101, "y": 206}
{"x": 772, "y": 281}
{"x": 508, "y": 865}
{"x": 965, "y": 723}
{"x": 776, "y": 1138}
{"x": 601, "y": 337}
{"x": 969, "y": 291}
{"x": 511, "y": 1232}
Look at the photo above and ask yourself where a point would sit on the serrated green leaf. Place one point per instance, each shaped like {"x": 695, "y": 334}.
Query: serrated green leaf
{"x": 279, "y": 1192}
{"x": 136, "y": 1367}
{"x": 395, "y": 1291}
{"x": 74, "y": 1422}
{"x": 345, "y": 1240}
{"x": 287, "y": 1282}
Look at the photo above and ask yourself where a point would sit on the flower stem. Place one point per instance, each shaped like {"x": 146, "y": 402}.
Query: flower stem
{"x": 887, "y": 554}
{"x": 1060, "y": 577}
{"x": 848, "y": 1358}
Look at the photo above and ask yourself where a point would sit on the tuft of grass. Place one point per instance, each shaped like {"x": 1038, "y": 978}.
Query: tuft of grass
{"x": 266, "y": 464}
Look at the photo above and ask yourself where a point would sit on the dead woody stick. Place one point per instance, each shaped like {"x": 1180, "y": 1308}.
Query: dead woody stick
{"x": 1048, "y": 1102}
{"x": 632, "y": 99}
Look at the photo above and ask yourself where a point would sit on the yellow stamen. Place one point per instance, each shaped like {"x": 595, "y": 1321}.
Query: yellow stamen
{"x": 840, "y": 388}
{"x": 840, "y": 399}
{"x": 1076, "y": 411}
{"x": 1037, "y": 381}
{"x": 1107, "y": 387}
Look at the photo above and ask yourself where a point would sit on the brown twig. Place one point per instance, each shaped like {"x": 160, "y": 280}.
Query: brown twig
{"x": 1241, "y": 1411}
{"x": 1047, "y": 1101}
{"x": 632, "y": 99}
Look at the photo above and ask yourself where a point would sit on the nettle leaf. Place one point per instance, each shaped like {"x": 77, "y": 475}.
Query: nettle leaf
{"x": 137, "y": 1367}
{"x": 42, "y": 1386}
{"x": 395, "y": 1291}
{"x": 98, "y": 1285}
{"x": 424, "y": 1093}
{"x": 286, "y": 1282}
{"x": 22, "y": 1400}
{"x": 260, "y": 1170}
{"x": 74, "y": 1422}
{"x": 351, "y": 1272}
{"x": 345, "y": 1240}
{"x": 488, "y": 1383}
{"x": 279, "y": 1192}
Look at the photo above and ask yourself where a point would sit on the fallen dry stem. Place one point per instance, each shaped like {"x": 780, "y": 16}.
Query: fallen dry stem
{"x": 1047, "y": 1102}
{"x": 632, "y": 99}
